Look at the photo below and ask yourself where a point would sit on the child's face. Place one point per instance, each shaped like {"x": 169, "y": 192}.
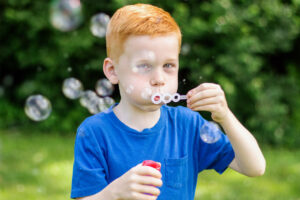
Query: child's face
{"x": 148, "y": 65}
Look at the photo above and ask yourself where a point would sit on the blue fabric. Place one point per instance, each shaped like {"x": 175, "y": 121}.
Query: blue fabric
{"x": 105, "y": 149}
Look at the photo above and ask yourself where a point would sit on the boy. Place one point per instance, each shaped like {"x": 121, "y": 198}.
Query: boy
{"x": 143, "y": 44}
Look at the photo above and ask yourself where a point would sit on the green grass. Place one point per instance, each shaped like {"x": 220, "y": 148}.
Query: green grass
{"x": 35, "y": 166}
{"x": 280, "y": 181}
{"x": 39, "y": 166}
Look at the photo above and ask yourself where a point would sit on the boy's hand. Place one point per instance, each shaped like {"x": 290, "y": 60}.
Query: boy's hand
{"x": 208, "y": 97}
{"x": 138, "y": 183}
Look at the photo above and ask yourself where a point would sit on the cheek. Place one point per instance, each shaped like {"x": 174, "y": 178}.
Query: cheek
{"x": 175, "y": 87}
{"x": 134, "y": 84}
{"x": 173, "y": 83}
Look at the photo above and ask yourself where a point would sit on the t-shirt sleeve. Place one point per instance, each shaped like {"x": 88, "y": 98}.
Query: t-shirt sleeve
{"x": 90, "y": 167}
{"x": 216, "y": 155}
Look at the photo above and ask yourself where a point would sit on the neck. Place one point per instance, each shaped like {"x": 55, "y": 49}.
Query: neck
{"x": 135, "y": 117}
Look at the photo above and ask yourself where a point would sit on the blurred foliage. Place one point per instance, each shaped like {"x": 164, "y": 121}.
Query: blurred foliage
{"x": 250, "y": 48}
{"x": 36, "y": 166}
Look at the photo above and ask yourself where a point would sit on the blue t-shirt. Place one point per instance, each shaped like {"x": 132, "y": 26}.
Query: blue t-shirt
{"x": 106, "y": 148}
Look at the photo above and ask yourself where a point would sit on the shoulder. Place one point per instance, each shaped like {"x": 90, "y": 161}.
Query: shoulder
{"x": 95, "y": 123}
{"x": 95, "y": 120}
{"x": 93, "y": 132}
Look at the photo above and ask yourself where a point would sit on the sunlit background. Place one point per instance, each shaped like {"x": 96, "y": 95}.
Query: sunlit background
{"x": 51, "y": 79}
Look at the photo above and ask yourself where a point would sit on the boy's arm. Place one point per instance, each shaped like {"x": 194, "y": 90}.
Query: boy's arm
{"x": 139, "y": 183}
{"x": 103, "y": 194}
{"x": 249, "y": 159}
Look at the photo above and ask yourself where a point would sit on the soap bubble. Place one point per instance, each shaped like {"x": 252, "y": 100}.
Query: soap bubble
{"x": 91, "y": 101}
{"x": 146, "y": 93}
{"x": 210, "y": 132}
{"x": 66, "y": 15}
{"x": 101, "y": 105}
{"x": 98, "y": 24}
{"x": 37, "y": 107}
{"x": 94, "y": 108}
{"x": 104, "y": 87}
{"x": 185, "y": 49}
{"x": 108, "y": 101}
{"x": 129, "y": 89}
{"x": 87, "y": 97}
{"x": 72, "y": 88}
{"x": 135, "y": 69}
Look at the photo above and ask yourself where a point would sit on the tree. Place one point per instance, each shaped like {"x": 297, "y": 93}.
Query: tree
{"x": 249, "y": 48}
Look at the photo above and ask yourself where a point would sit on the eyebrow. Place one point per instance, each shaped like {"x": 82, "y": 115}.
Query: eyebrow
{"x": 143, "y": 59}
{"x": 172, "y": 60}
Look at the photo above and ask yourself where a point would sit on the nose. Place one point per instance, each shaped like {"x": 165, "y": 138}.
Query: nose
{"x": 157, "y": 79}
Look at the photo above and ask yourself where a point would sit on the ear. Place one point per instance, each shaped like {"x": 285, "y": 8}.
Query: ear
{"x": 110, "y": 71}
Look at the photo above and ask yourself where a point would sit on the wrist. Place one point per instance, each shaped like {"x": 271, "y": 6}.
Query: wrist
{"x": 112, "y": 192}
{"x": 227, "y": 120}
{"x": 108, "y": 193}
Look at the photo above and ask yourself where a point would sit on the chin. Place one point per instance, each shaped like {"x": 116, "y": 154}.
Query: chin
{"x": 152, "y": 107}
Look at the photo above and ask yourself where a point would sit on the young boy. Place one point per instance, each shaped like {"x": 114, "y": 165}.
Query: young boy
{"x": 143, "y": 44}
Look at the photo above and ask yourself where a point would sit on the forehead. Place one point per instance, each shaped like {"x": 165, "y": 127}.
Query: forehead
{"x": 147, "y": 46}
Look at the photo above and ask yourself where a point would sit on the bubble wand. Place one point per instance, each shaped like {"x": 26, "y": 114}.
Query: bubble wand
{"x": 165, "y": 98}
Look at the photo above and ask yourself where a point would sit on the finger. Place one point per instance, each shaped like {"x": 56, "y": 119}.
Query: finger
{"x": 202, "y": 95}
{"x": 206, "y": 101}
{"x": 203, "y": 86}
{"x": 135, "y": 168}
{"x": 149, "y": 171}
{"x": 148, "y": 180}
{"x": 142, "y": 196}
{"x": 211, "y": 108}
{"x": 145, "y": 189}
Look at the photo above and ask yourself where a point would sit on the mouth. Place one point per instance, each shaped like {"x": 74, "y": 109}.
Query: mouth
{"x": 157, "y": 98}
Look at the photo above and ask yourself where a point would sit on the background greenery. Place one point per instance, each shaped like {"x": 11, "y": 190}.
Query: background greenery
{"x": 38, "y": 167}
{"x": 251, "y": 48}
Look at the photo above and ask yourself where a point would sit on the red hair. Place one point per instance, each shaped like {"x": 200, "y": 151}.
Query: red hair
{"x": 138, "y": 19}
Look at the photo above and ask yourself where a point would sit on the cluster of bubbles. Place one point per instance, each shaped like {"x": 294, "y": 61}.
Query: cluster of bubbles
{"x": 66, "y": 15}
{"x": 95, "y": 102}
{"x": 210, "y": 132}
{"x": 38, "y": 107}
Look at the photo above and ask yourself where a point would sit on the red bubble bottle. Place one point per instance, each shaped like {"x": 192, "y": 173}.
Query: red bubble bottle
{"x": 153, "y": 164}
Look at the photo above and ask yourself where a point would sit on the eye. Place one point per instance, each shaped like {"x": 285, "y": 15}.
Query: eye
{"x": 143, "y": 67}
{"x": 169, "y": 65}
